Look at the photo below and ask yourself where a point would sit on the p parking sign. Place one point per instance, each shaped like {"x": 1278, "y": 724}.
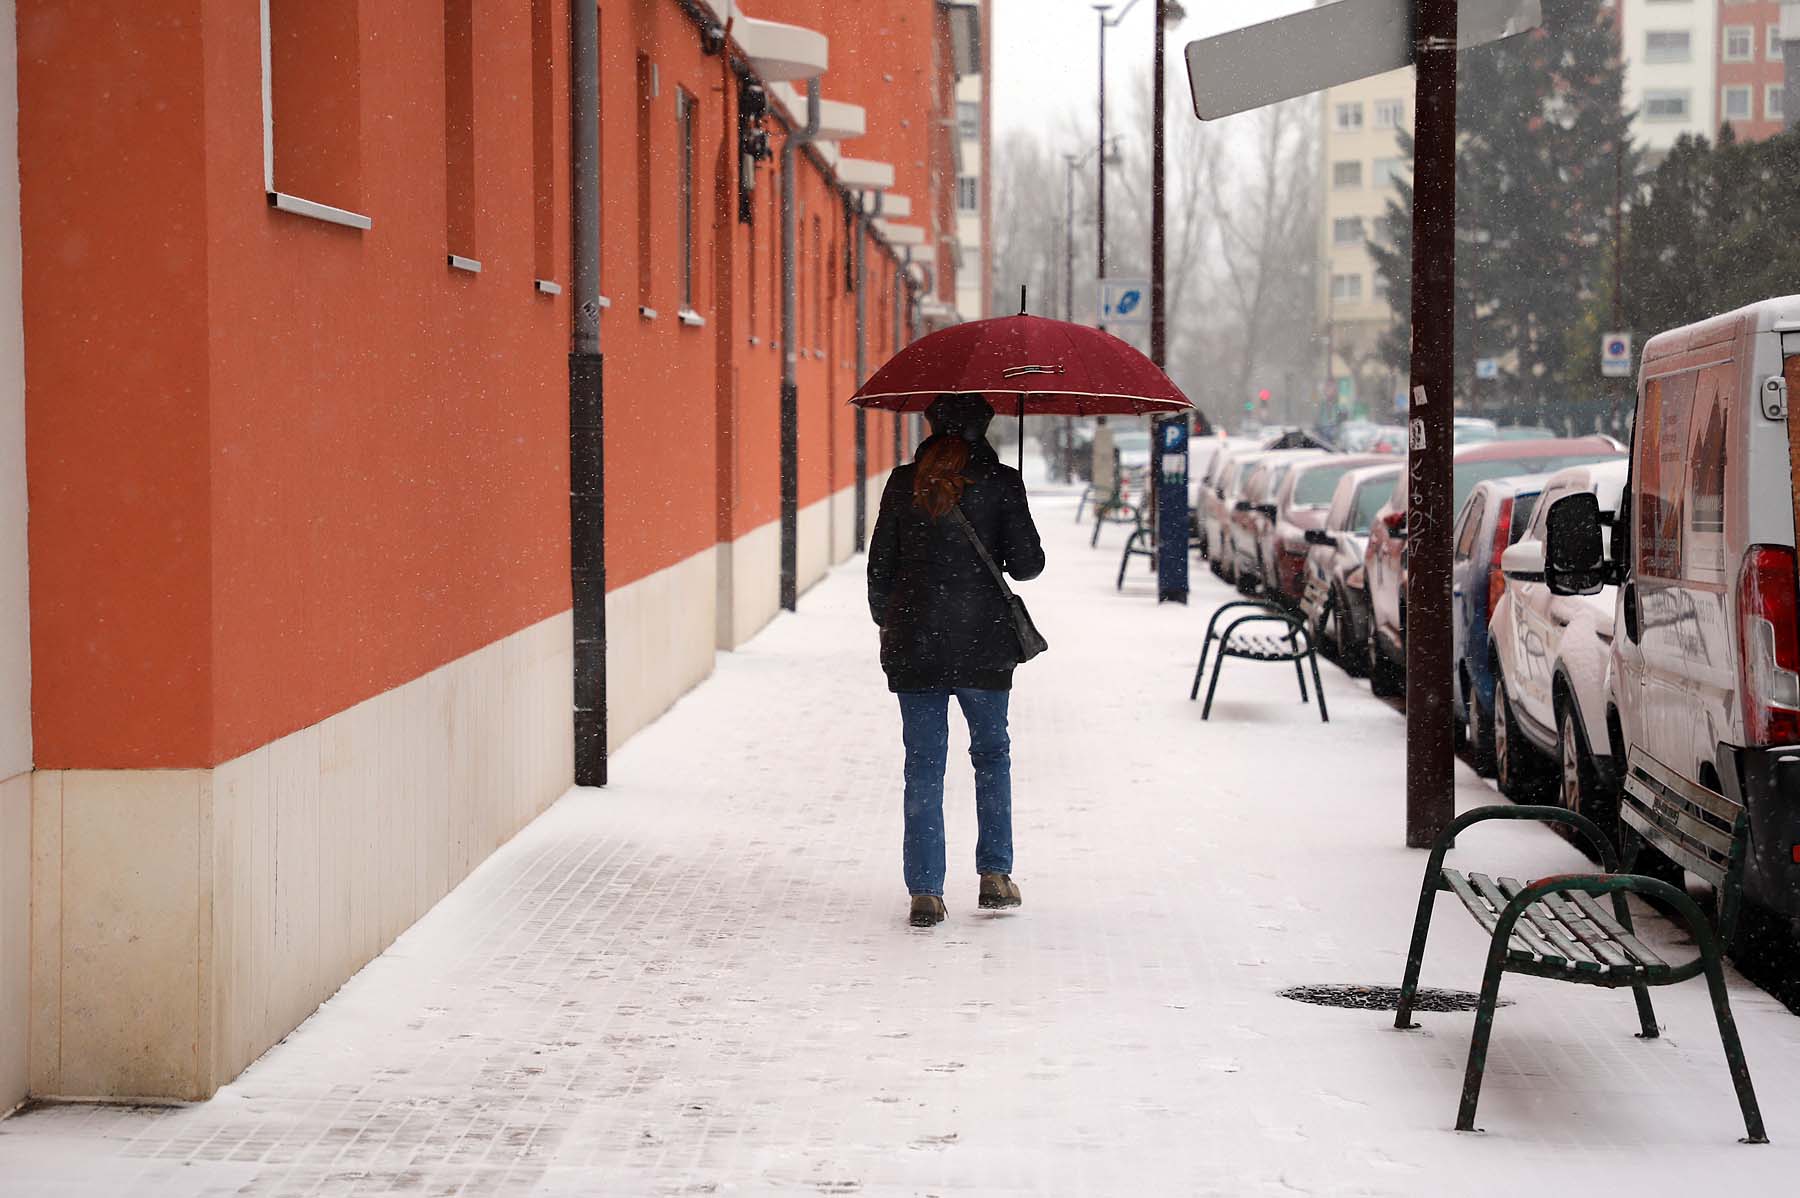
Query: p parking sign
{"x": 1615, "y": 356}
{"x": 1124, "y": 301}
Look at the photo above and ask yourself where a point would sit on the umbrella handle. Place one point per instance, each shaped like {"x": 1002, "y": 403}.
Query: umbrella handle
{"x": 1021, "y": 415}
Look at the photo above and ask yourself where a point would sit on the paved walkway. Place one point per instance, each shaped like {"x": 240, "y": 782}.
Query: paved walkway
{"x": 700, "y": 980}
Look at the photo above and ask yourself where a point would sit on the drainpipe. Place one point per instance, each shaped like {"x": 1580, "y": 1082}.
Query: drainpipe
{"x": 790, "y": 391}
{"x": 587, "y": 446}
{"x": 860, "y": 230}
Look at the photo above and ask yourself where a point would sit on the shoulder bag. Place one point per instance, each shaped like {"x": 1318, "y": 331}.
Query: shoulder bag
{"x": 1031, "y": 641}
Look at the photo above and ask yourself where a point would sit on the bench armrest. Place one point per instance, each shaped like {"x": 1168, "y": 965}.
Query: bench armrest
{"x": 1293, "y": 625}
{"x": 1260, "y": 604}
{"x": 1540, "y": 813}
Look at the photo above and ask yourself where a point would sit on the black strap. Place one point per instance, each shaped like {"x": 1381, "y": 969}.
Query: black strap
{"x": 981, "y": 550}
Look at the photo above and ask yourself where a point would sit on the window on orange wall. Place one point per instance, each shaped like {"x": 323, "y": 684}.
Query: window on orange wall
{"x": 684, "y": 197}
{"x": 459, "y": 130}
{"x": 750, "y": 274}
{"x": 312, "y": 109}
{"x": 646, "y": 95}
{"x": 818, "y": 286}
{"x": 774, "y": 264}
{"x": 543, "y": 140}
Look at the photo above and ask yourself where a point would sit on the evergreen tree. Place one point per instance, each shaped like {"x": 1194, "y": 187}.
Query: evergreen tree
{"x": 1541, "y": 134}
{"x": 1715, "y": 228}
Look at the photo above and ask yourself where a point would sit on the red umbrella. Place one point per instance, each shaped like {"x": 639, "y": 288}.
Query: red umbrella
{"x": 1044, "y": 367}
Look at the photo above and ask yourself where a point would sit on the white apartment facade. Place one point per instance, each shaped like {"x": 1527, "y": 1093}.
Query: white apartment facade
{"x": 1360, "y": 159}
{"x": 1670, "y": 51}
{"x": 972, "y": 283}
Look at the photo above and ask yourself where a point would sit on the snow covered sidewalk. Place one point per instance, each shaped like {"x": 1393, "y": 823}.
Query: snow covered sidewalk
{"x": 700, "y": 980}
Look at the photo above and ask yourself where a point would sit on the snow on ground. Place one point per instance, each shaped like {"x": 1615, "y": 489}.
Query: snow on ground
{"x": 700, "y": 980}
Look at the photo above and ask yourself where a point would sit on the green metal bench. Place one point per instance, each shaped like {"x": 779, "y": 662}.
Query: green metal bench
{"x": 1556, "y": 927}
{"x": 1290, "y": 642}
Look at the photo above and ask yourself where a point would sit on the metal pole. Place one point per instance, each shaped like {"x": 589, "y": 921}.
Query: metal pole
{"x": 1430, "y": 748}
{"x": 587, "y": 439}
{"x": 862, "y": 373}
{"x": 790, "y": 390}
{"x": 1159, "y": 321}
{"x": 1067, "y": 455}
{"x": 1100, "y": 206}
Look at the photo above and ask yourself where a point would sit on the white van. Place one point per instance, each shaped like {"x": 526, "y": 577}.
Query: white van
{"x": 1705, "y": 659}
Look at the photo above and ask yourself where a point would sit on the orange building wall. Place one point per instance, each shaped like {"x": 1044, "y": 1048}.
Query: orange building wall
{"x": 279, "y": 466}
{"x": 117, "y": 434}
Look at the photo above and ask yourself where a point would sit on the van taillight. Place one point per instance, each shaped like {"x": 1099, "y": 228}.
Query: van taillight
{"x": 1769, "y": 645}
{"x": 1502, "y": 538}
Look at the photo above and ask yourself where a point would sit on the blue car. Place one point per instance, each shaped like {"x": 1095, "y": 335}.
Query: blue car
{"x": 1495, "y": 515}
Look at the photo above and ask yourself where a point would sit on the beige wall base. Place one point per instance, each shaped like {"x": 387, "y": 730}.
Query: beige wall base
{"x": 185, "y": 920}
{"x": 661, "y": 635}
{"x": 749, "y": 584}
{"x": 15, "y": 937}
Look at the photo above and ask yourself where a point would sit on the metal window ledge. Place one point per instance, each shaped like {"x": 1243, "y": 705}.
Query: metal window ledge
{"x": 646, "y": 313}
{"x": 603, "y": 302}
{"x": 547, "y": 286}
{"x": 691, "y": 318}
{"x": 313, "y": 210}
{"x": 472, "y": 265}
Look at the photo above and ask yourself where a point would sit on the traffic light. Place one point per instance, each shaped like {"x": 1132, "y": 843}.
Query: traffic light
{"x": 1262, "y": 397}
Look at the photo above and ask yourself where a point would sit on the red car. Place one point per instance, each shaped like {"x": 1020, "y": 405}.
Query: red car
{"x": 1385, "y": 564}
{"x": 1299, "y": 504}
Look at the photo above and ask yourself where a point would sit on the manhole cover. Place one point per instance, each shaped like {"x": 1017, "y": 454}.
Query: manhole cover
{"x": 1384, "y": 998}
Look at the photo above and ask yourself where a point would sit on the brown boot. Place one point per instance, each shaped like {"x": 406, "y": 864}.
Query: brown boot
{"x": 998, "y": 891}
{"x": 927, "y": 911}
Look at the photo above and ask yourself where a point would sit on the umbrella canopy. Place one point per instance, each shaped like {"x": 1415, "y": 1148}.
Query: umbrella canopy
{"x": 1027, "y": 365}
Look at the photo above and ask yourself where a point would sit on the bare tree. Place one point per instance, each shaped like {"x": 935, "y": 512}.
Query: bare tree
{"x": 1267, "y": 213}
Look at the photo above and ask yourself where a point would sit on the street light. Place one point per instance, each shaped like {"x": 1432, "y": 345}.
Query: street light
{"x": 1106, "y": 23}
{"x": 1073, "y": 163}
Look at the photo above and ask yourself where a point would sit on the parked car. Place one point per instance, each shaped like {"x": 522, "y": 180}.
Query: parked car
{"x": 1705, "y": 661}
{"x": 1549, "y": 657}
{"x": 1254, "y": 514}
{"x": 1299, "y": 505}
{"x": 1386, "y": 562}
{"x": 1526, "y": 432}
{"x": 1495, "y": 515}
{"x": 1470, "y": 430}
{"x": 1230, "y": 470}
{"x": 1335, "y": 556}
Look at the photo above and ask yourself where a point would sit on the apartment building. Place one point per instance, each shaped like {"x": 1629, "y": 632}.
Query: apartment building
{"x": 1752, "y": 74}
{"x": 1359, "y": 160}
{"x": 973, "y": 295}
{"x": 324, "y": 513}
{"x": 1670, "y": 50}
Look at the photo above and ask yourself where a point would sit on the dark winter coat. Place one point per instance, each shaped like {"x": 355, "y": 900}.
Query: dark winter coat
{"x": 944, "y": 623}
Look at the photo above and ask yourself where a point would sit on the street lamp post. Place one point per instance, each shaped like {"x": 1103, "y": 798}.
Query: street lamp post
{"x": 1106, "y": 23}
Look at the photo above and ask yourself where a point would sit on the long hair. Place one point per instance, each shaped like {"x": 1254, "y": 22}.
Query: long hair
{"x": 938, "y": 482}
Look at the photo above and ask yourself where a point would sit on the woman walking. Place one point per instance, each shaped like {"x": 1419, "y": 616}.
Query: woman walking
{"x": 947, "y": 628}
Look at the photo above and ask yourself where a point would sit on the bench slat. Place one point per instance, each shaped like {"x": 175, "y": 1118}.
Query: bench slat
{"x": 1592, "y": 936}
{"x": 1709, "y": 801}
{"x": 1596, "y": 911}
{"x": 1575, "y": 955}
{"x": 1485, "y": 906}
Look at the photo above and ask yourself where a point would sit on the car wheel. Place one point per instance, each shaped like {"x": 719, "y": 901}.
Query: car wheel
{"x": 1387, "y": 680}
{"x": 1514, "y": 768}
{"x": 1351, "y": 656}
{"x": 1478, "y": 732}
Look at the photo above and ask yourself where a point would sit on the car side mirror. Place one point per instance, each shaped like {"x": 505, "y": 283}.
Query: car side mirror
{"x": 1318, "y": 536}
{"x": 1267, "y": 509}
{"x": 1242, "y": 505}
{"x": 1395, "y": 523}
{"x": 1523, "y": 562}
{"x": 1574, "y": 552}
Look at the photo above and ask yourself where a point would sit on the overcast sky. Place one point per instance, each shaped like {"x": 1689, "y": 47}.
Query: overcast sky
{"x": 1046, "y": 55}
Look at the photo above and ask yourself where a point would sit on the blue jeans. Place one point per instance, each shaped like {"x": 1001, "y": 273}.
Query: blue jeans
{"x": 925, "y": 728}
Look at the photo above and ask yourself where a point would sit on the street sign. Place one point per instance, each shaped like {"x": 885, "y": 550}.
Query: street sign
{"x": 1322, "y": 47}
{"x": 1615, "y": 356}
{"x": 1487, "y": 368}
{"x": 1124, "y": 301}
